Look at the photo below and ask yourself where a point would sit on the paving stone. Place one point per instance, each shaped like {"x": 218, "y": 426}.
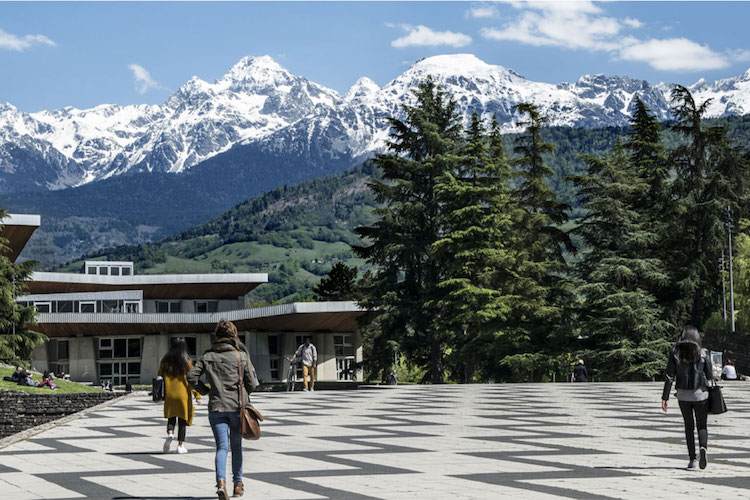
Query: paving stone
{"x": 587, "y": 441}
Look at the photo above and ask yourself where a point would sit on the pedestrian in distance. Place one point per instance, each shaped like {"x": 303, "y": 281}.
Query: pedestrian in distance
{"x": 228, "y": 369}
{"x": 689, "y": 369}
{"x": 580, "y": 374}
{"x": 309, "y": 356}
{"x": 729, "y": 372}
{"x": 178, "y": 396}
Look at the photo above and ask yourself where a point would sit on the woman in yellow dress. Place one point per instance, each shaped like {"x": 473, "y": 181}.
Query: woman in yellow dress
{"x": 178, "y": 396}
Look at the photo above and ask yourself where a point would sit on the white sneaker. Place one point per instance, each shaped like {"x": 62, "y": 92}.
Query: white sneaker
{"x": 312, "y": 390}
{"x": 168, "y": 443}
{"x": 181, "y": 449}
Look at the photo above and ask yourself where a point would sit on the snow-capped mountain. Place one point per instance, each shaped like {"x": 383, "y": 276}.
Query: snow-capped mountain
{"x": 258, "y": 101}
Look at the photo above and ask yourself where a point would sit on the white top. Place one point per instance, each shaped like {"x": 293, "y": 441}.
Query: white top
{"x": 308, "y": 354}
{"x": 729, "y": 372}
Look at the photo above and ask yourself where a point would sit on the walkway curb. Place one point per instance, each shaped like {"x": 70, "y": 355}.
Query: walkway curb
{"x": 24, "y": 435}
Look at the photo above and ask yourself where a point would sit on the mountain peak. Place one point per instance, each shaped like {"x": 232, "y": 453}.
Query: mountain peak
{"x": 251, "y": 73}
{"x": 362, "y": 88}
{"x": 452, "y": 64}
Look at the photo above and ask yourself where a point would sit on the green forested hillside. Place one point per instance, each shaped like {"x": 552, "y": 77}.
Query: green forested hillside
{"x": 295, "y": 233}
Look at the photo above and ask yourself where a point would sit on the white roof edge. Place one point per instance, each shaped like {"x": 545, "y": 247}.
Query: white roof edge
{"x": 109, "y": 262}
{"x": 21, "y": 220}
{"x": 203, "y": 318}
{"x": 118, "y": 294}
{"x": 150, "y": 279}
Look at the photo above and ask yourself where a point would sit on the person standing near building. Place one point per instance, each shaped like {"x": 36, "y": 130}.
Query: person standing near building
{"x": 222, "y": 365}
{"x": 309, "y": 356}
{"x": 178, "y": 396}
{"x": 689, "y": 368}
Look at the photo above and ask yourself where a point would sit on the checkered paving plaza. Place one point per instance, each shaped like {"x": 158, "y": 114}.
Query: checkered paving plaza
{"x": 484, "y": 441}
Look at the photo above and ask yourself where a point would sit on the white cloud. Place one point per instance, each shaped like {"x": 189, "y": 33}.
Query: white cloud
{"x": 584, "y": 26}
{"x": 422, "y": 36}
{"x": 142, "y": 78}
{"x": 10, "y": 41}
{"x": 633, "y": 23}
{"x": 482, "y": 12}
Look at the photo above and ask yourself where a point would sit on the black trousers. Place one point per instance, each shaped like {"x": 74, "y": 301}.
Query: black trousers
{"x": 171, "y": 421}
{"x": 700, "y": 410}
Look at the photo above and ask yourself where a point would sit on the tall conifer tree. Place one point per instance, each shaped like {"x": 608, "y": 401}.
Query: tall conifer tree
{"x": 477, "y": 217}
{"x": 544, "y": 292}
{"x": 403, "y": 289}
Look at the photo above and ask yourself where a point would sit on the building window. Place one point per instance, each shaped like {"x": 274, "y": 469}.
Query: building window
{"x": 274, "y": 356}
{"x": 87, "y": 307}
{"x": 126, "y": 271}
{"x": 43, "y": 307}
{"x": 63, "y": 348}
{"x": 344, "y": 351}
{"x": 105, "y": 348}
{"x": 91, "y": 270}
{"x": 65, "y": 306}
{"x": 119, "y": 372}
{"x": 168, "y": 307}
{"x": 104, "y": 270}
{"x": 115, "y": 271}
{"x": 206, "y": 306}
{"x": 132, "y": 307}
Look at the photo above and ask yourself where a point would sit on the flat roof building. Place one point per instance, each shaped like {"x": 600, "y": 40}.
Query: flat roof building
{"x": 109, "y": 323}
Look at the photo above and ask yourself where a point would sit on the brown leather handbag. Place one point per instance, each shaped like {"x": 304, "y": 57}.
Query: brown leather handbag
{"x": 250, "y": 418}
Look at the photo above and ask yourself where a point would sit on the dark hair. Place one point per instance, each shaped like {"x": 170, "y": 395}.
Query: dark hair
{"x": 176, "y": 362}
{"x": 45, "y": 375}
{"x": 225, "y": 329}
{"x": 688, "y": 346}
{"x": 730, "y": 362}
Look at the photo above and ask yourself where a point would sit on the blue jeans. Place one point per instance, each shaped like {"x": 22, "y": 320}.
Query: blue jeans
{"x": 226, "y": 428}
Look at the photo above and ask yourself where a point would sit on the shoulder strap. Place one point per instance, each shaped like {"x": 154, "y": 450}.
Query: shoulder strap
{"x": 239, "y": 371}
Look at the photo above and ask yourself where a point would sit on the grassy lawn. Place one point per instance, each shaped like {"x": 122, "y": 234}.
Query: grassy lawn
{"x": 63, "y": 386}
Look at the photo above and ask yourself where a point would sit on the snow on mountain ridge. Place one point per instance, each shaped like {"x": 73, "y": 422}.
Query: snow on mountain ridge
{"x": 258, "y": 100}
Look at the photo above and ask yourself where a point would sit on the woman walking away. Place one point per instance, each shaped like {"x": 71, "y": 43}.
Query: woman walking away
{"x": 579, "y": 372}
{"x": 222, "y": 365}
{"x": 689, "y": 367}
{"x": 178, "y": 397}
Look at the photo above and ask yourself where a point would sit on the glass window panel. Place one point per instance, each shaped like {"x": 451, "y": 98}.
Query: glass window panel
{"x": 116, "y": 367}
{"x": 131, "y": 307}
{"x": 105, "y": 342}
{"x": 115, "y": 271}
{"x": 134, "y": 348}
{"x": 201, "y": 307}
{"x": 273, "y": 345}
{"x": 65, "y": 306}
{"x": 162, "y": 307}
{"x": 92, "y": 270}
{"x": 126, "y": 271}
{"x": 103, "y": 270}
{"x": 134, "y": 368}
{"x": 105, "y": 353}
{"x": 105, "y": 369}
{"x": 62, "y": 349}
{"x": 110, "y": 306}
{"x": 43, "y": 307}
{"x": 175, "y": 307}
{"x": 121, "y": 350}
{"x": 87, "y": 307}
{"x": 213, "y": 306}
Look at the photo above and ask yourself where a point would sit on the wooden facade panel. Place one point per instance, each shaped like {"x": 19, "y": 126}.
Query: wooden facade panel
{"x": 17, "y": 237}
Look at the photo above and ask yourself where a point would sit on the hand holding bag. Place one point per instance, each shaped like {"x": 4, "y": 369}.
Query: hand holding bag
{"x": 250, "y": 418}
{"x": 716, "y": 404}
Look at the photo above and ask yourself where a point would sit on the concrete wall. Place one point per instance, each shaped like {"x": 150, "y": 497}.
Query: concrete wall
{"x": 83, "y": 354}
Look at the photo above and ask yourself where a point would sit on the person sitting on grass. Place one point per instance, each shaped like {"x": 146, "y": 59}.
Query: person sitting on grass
{"x": 47, "y": 381}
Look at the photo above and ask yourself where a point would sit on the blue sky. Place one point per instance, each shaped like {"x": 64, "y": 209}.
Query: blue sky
{"x": 83, "y": 54}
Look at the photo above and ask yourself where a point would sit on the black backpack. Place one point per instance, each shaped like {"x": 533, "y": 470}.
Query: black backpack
{"x": 157, "y": 389}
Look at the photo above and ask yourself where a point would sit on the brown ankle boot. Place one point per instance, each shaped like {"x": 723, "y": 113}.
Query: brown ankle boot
{"x": 221, "y": 490}
{"x": 239, "y": 490}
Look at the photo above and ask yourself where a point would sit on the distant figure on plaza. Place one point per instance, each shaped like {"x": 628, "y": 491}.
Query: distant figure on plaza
{"x": 222, "y": 365}
{"x": 689, "y": 368}
{"x": 580, "y": 374}
{"x": 729, "y": 372}
{"x": 178, "y": 396}
{"x": 309, "y": 356}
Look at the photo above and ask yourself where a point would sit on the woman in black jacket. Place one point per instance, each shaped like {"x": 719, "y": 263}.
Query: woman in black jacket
{"x": 689, "y": 367}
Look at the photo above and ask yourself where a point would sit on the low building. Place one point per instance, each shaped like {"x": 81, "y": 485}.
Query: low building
{"x": 109, "y": 323}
